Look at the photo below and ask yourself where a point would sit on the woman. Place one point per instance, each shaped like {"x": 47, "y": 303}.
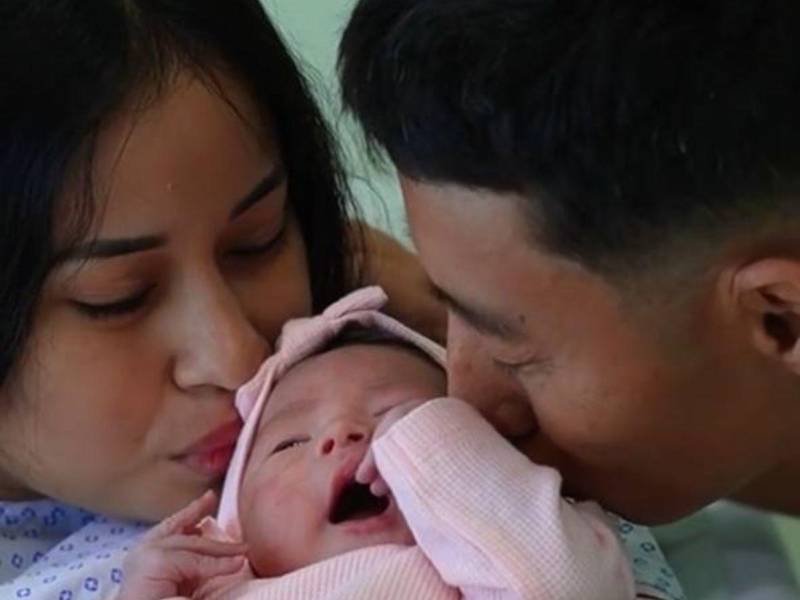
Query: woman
{"x": 168, "y": 199}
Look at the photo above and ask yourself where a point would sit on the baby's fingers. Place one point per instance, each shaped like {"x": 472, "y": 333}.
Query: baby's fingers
{"x": 185, "y": 519}
{"x": 368, "y": 474}
{"x": 201, "y": 545}
{"x": 163, "y": 566}
{"x": 189, "y": 566}
{"x": 378, "y": 487}
{"x": 367, "y": 471}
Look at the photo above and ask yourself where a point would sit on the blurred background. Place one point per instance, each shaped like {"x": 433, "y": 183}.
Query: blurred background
{"x": 723, "y": 552}
{"x": 312, "y": 29}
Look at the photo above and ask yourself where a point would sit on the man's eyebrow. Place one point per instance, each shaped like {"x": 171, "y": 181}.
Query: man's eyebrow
{"x": 264, "y": 187}
{"x": 110, "y": 248}
{"x": 481, "y": 320}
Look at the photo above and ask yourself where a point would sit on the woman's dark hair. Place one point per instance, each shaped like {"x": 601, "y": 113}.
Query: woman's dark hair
{"x": 66, "y": 66}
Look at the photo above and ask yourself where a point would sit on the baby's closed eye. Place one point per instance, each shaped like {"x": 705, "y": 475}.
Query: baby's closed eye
{"x": 289, "y": 443}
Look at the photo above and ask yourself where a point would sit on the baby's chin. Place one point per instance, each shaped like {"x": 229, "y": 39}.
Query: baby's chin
{"x": 335, "y": 540}
{"x": 350, "y": 543}
{"x": 389, "y": 528}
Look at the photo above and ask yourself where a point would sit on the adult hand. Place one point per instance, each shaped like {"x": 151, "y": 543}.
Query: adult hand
{"x": 172, "y": 558}
{"x": 386, "y": 262}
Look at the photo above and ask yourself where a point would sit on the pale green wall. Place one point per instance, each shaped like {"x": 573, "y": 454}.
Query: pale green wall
{"x": 312, "y": 29}
{"x": 789, "y": 530}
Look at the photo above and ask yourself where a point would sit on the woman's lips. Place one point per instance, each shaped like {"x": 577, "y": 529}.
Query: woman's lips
{"x": 211, "y": 454}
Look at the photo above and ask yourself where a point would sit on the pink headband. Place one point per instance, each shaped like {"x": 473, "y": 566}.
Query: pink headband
{"x": 300, "y": 339}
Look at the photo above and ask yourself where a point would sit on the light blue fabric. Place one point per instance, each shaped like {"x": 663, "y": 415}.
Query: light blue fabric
{"x": 52, "y": 551}
{"x": 651, "y": 571}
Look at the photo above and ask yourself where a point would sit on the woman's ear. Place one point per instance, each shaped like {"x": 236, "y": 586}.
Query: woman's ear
{"x": 767, "y": 296}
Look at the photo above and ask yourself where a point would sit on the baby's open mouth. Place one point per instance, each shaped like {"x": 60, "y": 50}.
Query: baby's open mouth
{"x": 355, "y": 502}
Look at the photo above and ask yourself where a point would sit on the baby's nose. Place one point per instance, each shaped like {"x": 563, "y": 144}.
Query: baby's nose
{"x": 340, "y": 435}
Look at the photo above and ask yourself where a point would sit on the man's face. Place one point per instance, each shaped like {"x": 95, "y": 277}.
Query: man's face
{"x": 649, "y": 432}
{"x": 299, "y": 500}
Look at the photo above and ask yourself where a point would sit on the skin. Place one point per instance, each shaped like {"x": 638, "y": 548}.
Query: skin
{"x": 103, "y": 406}
{"x": 315, "y": 424}
{"x": 653, "y": 426}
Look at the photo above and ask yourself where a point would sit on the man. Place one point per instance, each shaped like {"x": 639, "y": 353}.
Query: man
{"x": 606, "y": 195}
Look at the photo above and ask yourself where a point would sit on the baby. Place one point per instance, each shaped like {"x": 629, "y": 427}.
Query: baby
{"x": 351, "y": 482}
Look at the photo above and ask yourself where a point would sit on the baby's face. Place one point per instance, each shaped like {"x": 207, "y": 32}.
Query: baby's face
{"x": 299, "y": 502}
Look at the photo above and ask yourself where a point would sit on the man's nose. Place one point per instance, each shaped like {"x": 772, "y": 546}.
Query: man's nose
{"x": 473, "y": 377}
{"x": 340, "y": 435}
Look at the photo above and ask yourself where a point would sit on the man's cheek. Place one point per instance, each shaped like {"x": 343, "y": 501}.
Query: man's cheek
{"x": 474, "y": 378}
{"x": 513, "y": 417}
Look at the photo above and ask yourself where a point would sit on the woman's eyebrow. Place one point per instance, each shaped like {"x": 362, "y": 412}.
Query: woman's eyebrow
{"x": 110, "y": 248}
{"x": 264, "y": 187}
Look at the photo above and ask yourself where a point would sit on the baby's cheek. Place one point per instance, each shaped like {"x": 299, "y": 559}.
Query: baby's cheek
{"x": 268, "y": 502}
{"x": 279, "y": 530}
{"x": 280, "y": 503}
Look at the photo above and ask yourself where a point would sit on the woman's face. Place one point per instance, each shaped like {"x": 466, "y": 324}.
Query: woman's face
{"x": 122, "y": 399}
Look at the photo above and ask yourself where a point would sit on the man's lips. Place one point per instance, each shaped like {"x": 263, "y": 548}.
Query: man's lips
{"x": 211, "y": 454}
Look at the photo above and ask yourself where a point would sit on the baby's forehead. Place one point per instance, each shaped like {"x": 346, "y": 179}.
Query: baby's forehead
{"x": 306, "y": 387}
{"x": 283, "y": 405}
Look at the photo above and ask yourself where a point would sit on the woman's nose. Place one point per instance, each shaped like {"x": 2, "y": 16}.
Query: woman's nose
{"x": 219, "y": 347}
{"x": 341, "y": 435}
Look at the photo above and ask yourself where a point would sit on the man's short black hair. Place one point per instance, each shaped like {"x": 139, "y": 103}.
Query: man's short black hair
{"x": 632, "y": 123}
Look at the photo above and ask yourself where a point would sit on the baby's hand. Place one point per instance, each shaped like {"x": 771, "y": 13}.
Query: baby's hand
{"x": 172, "y": 558}
{"x": 367, "y": 472}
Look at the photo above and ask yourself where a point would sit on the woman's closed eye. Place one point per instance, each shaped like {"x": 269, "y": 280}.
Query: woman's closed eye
{"x": 257, "y": 247}
{"x": 289, "y": 443}
{"x": 115, "y": 308}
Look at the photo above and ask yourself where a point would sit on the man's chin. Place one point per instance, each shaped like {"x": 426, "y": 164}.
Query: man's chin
{"x": 644, "y": 504}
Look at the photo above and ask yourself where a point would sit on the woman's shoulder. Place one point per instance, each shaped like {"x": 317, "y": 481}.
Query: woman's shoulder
{"x": 53, "y": 550}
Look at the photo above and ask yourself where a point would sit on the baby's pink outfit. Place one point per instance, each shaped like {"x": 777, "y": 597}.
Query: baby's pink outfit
{"x": 488, "y": 522}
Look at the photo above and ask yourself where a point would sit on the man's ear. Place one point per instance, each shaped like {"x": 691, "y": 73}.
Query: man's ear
{"x": 767, "y": 295}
